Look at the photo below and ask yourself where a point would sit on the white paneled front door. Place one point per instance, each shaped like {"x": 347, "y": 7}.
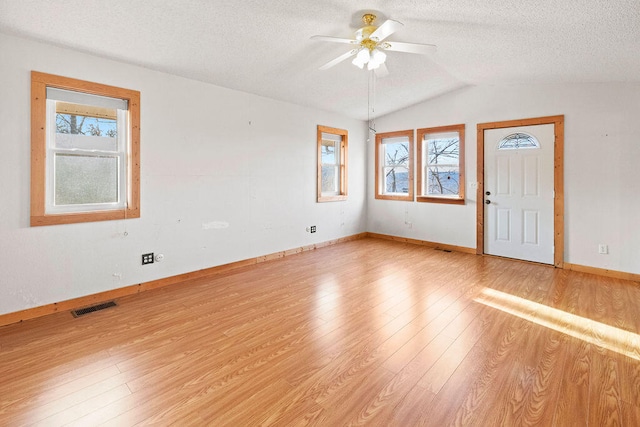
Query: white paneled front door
{"x": 518, "y": 184}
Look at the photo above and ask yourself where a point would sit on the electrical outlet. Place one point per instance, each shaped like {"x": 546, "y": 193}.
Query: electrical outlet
{"x": 313, "y": 229}
{"x": 147, "y": 258}
{"x": 603, "y": 249}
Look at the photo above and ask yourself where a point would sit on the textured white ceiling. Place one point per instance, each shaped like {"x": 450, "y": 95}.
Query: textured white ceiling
{"x": 264, "y": 47}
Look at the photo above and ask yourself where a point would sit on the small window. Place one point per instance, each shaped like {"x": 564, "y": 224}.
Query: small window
{"x": 332, "y": 164}
{"x": 85, "y": 151}
{"x": 516, "y": 141}
{"x": 394, "y": 159}
{"x": 441, "y": 164}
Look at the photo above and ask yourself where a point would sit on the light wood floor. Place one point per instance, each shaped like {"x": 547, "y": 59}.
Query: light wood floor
{"x": 366, "y": 332}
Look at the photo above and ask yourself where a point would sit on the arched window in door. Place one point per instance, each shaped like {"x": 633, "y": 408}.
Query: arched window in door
{"x": 518, "y": 140}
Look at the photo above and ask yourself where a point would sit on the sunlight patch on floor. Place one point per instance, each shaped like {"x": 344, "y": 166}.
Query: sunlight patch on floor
{"x": 591, "y": 331}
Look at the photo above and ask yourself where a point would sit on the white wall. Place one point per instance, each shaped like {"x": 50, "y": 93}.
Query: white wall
{"x": 209, "y": 155}
{"x": 602, "y": 166}
{"x": 213, "y": 155}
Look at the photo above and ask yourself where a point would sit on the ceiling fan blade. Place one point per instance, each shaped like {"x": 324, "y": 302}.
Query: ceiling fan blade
{"x": 334, "y": 39}
{"x": 381, "y": 71}
{"x": 422, "y": 49}
{"x": 386, "y": 29}
{"x": 339, "y": 59}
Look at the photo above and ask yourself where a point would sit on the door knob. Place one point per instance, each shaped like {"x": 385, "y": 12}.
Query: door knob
{"x": 488, "y": 193}
{"x": 488, "y": 202}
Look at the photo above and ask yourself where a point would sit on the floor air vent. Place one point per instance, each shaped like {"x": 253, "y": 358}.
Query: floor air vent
{"x": 97, "y": 307}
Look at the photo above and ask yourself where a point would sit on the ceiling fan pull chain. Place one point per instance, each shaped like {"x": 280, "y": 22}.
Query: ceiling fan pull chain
{"x": 371, "y": 101}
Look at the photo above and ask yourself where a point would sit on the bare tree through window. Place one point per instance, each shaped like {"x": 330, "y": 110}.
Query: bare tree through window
{"x": 441, "y": 164}
{"x": 75, "y": 125}
{"x": 443, "y": 170}
{"x": 396, "y": 171}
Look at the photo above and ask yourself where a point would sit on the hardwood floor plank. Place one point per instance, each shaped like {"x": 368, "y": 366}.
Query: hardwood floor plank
{"x": 572, "y": 408}
{"x": 437, "y": 376}
{"x": 434, "y": 321}
{"x": 605, "y": 404}
{"x": 457, "y": 401}
{"x": 85, "y": 407}
{"x": 478, "y": 401}
{"x": 630, "y": 414}
{"x": 392, "y": 393}
{"x": 538, "y": 396}
{"x": 350, "y": 400}
{"x": 411, "y": 410}
{"x": 630, "y": 380}
{"x": 55, "y": 381}
{"x": 42, "y": 411}
{"x": 258, "y": 399}
{"x": 313, "y": 381}
{"x": 291, "y": 409}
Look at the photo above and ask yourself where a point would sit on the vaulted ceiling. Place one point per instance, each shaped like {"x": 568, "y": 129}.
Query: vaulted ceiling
{"x": 264, "y": 47}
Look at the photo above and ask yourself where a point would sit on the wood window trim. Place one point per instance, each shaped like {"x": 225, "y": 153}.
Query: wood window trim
{"x": 460, "y": 199}
{"x": 39, "y": 83}
{"x": 344, "y": 147}
{"x": 378, "y": 175}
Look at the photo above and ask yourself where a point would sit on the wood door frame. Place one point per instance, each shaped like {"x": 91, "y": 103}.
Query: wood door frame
{"x": 558, "y": 181}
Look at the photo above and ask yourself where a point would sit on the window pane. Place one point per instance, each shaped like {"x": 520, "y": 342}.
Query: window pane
{"x": 329, "y": 179}
{"x": 85, "y": 179}
{"x": 77, "y": 124}
{"x": 443, "y": 180}
{"x": 84, "y": 142}
{"x": 86, "y": 132}
{"x": 329, "y": 152}
{"x": 396, "y": 153}
{"x": 443, "y": 151}
{"x": 396, "y": 180}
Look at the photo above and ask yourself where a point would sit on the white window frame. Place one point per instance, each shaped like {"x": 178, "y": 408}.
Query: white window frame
{"x": 121, "y": 156}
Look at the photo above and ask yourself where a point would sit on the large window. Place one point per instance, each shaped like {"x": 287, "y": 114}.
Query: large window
{"x": 332, "y": 164}
{"x": 394, "y": 172}
{"x": 85, "y": 151}
{"x": 441, "y": 164}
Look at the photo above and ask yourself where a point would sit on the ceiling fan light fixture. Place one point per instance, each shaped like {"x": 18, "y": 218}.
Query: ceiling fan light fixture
{"x": 364, "y": 56}
{"x": 378, "y": 56}
{"x": 358, "y": 63}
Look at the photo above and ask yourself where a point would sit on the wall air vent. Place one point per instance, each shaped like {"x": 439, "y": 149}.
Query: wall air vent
{"x": 97, "y": 307}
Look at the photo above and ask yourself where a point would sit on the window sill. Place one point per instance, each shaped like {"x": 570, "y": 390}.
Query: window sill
{"x": 445, "y": 200}
{"x": 322, "y": 199}
{"x": 72, "y": 218}
{"x": 386, "y": 197}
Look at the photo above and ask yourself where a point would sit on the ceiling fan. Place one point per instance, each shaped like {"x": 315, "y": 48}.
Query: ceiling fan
{"x": 370, "y": 45}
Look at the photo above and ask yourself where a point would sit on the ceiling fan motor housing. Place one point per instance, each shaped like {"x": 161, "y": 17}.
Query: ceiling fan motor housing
{"x": 365, "y": 32}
